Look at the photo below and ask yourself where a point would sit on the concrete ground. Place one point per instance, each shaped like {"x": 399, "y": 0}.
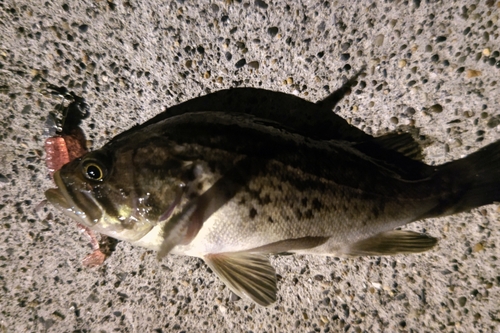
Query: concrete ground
{"x": 429, "y": 66}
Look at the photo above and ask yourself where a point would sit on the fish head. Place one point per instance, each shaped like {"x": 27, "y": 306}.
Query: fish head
{"x": 116, "y": 193}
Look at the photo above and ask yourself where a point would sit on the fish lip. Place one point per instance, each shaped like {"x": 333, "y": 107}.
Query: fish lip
{"x": 61, "y": 199}
{"x": 59, "y": 196}
{"x": 55, "y": 197}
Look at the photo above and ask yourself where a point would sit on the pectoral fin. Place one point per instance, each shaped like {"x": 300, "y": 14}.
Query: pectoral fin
{"x": 175, "y": 231}
{"x": 246, "y": 274}
{"x": 392, "y": 242}
{"x": 183, "y": 227}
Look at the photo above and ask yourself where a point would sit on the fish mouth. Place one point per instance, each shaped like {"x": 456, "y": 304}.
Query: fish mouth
{"x": 85, "y": 212}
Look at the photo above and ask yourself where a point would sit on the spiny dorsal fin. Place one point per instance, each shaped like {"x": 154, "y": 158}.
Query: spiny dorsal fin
{"x": 246, "y": 274}
{"x": 392, "y": 242}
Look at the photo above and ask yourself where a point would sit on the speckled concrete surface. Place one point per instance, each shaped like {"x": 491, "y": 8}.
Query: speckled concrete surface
{"x": 434, "y": 67}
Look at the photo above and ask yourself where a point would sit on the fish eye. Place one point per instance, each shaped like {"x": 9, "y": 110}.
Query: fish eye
{"x": 93, "y": 170}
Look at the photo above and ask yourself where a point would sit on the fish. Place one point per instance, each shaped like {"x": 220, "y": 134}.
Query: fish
{"x": 231, "y": 184}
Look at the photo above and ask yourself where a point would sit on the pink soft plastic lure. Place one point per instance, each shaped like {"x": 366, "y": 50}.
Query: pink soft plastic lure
{"x": 63, "y": 148}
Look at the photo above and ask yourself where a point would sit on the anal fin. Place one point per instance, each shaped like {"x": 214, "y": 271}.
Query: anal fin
{"x": 246, "y": 274}
{"x": 392, "y": 242}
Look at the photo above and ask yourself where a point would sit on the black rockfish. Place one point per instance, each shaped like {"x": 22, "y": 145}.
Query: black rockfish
{"x": 234, "y": 184}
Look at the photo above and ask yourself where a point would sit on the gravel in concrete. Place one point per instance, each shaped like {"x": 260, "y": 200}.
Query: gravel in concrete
{"x": 432, "y": 67}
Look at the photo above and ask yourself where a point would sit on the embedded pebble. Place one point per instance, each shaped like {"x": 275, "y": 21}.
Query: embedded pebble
{"x": 83, "y": 28}
{"x": 262, "y": 4}
{"x": 254, "y": 64}
{"x": 379, "y": 40}
{"x": 273, "y": 31}
{"x": 345, "y": 56}
{"x": 472, "y": 73}
{"x": 3, "y": 179}
{"x": 410, "y": 111}
{"x": 345, "y": 46}
{"x": 478, "y": 247}
{"x": 437, "y": 108}
{"x": 240, "y": 63}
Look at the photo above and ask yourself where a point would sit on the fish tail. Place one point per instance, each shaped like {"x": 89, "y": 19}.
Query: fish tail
{"x": 475, "y": 180}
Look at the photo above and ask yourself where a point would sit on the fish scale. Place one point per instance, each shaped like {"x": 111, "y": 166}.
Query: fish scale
{"x": 337, "y": 213}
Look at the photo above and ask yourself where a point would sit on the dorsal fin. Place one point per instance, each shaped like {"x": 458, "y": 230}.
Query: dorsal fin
{"x": 397, "y": 152}
{"x": 403, "y": 143}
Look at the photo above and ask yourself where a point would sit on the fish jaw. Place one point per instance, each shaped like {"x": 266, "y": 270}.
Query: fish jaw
{"x": 62, "y": 200}
{"x": 80, "y": 205}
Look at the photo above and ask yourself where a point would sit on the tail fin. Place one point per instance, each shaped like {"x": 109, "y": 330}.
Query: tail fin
{"x": 476, "y": 179}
